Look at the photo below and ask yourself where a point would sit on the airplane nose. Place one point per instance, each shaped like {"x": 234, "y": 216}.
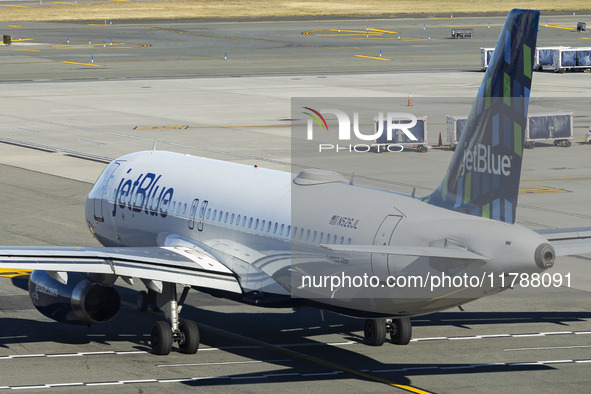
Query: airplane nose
{"x": 545, "y": 256}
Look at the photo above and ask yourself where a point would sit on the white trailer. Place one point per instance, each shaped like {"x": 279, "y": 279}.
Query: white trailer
{"x": 455, "y": 126}
{"x": 572, "y": 59}
{"x": 485, "y": 56}
{"x": 400, "y": 139}
{"x": 543, "y": 56}
{"x": 555, "y": 127}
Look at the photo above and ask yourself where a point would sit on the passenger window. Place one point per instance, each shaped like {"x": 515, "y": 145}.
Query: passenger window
{"x": 275, "y": 228}
{"x": 263, "y": 226}
{"x": 269, "y": 226}
{"x": 321, "y": 237}
{"x": 244, "y": 221}
{"x": 349, "y": 241}
{"x": 281, "y": 229}
{"x": 327, "y": 238}
{"x": 301, "y": 233}
{"x": 185, "y": 208}
{"x": 288, "y": 231}
{"x": 238, "y": 220}
{"x": 256, "y": 224}
{"x": 295, "y": 232}
{"x": 250, "y": 223}
{"x": 314, "y": 238}
{"x": 208, "y": 213}
{"x": 342, "y": 240}
{"x": 307, "y": 235}
{"x": 226, "y": 218}
{"x": 232, "y": 219}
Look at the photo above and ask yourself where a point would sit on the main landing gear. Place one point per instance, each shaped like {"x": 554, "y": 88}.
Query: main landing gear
{"x": 184, "y": 332}
{"x": 375, "y": 331}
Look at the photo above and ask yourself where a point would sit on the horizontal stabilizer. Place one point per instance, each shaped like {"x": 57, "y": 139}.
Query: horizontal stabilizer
{"x": 568, "y": 241}
{"x": 423, "y": 251}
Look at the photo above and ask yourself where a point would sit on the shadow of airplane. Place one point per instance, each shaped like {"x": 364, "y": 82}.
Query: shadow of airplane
{"x": 290, "y": 333}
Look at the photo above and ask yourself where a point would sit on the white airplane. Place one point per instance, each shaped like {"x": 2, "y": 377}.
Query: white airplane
{"x": 267, "y": 238}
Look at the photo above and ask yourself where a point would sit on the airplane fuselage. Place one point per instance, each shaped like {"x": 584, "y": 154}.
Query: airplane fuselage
{"x": 273, "y": 231}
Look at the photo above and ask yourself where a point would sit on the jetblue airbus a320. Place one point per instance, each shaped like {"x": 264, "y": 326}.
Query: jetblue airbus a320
{"x": 173, "y": 222}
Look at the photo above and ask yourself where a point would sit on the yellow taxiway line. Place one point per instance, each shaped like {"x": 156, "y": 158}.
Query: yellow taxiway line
{"x": 11, "y": 273}
{"x": 374, "y": 58}
{"x": 559, "y": 27}
{"x": 83, "y": 64}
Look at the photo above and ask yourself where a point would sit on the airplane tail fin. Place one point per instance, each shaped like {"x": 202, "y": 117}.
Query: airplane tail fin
{"x": 483, "y": 176}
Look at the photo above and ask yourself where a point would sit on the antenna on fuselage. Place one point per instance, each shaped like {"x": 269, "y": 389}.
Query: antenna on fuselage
{"x": 154, "y": 146}
{"x": 352, "y": 177}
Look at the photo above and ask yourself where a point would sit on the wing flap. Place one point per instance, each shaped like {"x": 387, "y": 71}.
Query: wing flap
{"x": 426, "y": 251}
{"x": 171, "y": 264}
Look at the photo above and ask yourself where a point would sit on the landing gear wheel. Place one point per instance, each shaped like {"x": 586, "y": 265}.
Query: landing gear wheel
{"x": 161, "y": 338}
{"x": 142, "y": 301}
{"x": 375, "y": 332}
{"x": 189, "y": 338}
{"x": 401, "y": 331}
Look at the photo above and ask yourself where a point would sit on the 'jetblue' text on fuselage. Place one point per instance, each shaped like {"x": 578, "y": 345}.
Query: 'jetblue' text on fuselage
{"x": 143, "y": 194}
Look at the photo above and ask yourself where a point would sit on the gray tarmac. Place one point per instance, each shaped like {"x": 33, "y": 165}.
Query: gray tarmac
{"x": 167, "y": 49}
{"x": 60, "y": 123}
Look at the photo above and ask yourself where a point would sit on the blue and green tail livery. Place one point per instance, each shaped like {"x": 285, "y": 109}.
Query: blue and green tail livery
{"x": 483, "y": 176}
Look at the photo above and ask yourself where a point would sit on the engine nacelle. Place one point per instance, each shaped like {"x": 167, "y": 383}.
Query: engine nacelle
{"x": 80, "y": 301}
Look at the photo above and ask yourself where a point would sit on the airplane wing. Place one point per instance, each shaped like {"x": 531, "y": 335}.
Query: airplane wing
{"x": 568, "y": 241}
{"x": 427, "y": 251}
{"x": 186, "y": 266}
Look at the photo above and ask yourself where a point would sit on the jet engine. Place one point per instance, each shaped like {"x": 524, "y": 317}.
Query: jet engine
{"x": 79, "y": 301}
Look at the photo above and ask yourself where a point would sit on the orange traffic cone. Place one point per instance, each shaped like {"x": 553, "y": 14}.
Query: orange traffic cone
{"x": 409, "y": 100}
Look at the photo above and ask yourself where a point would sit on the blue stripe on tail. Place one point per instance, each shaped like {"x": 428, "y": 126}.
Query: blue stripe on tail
{"x": 483, "y": 176}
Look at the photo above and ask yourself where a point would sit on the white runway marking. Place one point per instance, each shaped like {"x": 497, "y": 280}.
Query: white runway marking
{"x": 223, "y": 363}
{"x": 297, "y": 374}
{"x": 287, "y": 345}
{"x": 547, "y": 348}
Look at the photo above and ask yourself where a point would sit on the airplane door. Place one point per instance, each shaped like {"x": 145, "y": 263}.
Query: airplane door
{"x": 201, "y": 216}
{"x": 193, "y": 213}
{"x": 379, "y": 261}
{"x": 103, "y": 191}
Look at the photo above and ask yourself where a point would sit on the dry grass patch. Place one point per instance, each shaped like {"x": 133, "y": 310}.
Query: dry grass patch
{"x": 268, "y": 8}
